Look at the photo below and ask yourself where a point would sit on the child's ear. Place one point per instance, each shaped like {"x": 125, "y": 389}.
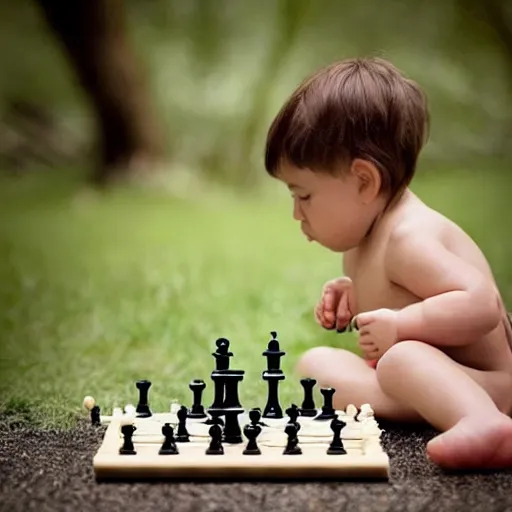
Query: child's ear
{"x": 368, "y": 177}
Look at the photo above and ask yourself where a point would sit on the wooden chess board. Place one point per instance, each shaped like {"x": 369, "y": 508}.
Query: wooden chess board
{"x": 365, "y": 457}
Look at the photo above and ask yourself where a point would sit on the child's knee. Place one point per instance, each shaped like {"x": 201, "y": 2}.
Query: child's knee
{"x": 314, "y": 360}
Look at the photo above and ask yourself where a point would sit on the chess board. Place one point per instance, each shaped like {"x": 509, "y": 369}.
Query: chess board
{"x": 364, "y": 457}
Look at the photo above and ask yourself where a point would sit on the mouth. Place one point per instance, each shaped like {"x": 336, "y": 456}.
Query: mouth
{"x": 309, "y": 238}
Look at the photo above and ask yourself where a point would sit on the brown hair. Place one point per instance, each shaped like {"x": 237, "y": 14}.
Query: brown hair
{"x": 356, "y": 108}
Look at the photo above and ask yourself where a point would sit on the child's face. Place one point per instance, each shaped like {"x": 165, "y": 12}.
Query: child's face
{"x": 332, "y": 210}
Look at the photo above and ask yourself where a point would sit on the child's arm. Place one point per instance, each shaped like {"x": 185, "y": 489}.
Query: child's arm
{"x": 459, "y": 304}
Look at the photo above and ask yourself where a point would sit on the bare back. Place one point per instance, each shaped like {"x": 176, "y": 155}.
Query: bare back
{"x": 373, "y": 290}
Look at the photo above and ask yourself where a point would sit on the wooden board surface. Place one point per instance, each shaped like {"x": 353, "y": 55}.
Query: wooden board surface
{"x": 365, "y": 458}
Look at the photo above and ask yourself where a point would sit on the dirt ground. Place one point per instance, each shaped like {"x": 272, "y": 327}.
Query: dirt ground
{"x": 50, "y": 470}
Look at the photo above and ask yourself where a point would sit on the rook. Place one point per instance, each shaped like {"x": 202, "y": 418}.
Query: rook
{"x": 142, "y": 409}
{"x": 328, "y": 412}
{"x": 197, "y": 411}
{"x": 308, "y": 408}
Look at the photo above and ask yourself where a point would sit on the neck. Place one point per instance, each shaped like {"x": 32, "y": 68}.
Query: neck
{"x": 389, "y": 205}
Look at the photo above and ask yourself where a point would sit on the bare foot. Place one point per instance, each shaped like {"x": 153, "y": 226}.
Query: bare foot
{"x": 474, "y": 443}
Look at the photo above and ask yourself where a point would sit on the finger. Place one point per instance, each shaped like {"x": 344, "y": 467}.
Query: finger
{"x": 329, "y": 299}
{"x": 342, "y": 313}
{"x": 361, "y": 320}
{"x": 321, "y": 317}
{"x": 366, "y": 343}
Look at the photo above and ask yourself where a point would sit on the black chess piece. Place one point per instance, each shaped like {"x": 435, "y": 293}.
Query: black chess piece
{"x": 293, "y": 413}
{"x": 169, "y": 445}
{"x": 328, "y": 412}
{"x": 336, "y": 447}
{"x": 292, "y": 446}
{"x": 127, "y": 448}
{"x": 197, "y": 411}
{"x": 95, "y": 416}
{"x": 222, "y": 354}
{"x": 273, "y": 374}
{"x": 259, "y": 422}
{"x": 215, "y": 447}
{"x": 182, "y": 436}
{"x": 273, "y": 354}
{"x": 308, "y": 408}
{"x": 143, "y": 410}
{"x": 252, "y": 431}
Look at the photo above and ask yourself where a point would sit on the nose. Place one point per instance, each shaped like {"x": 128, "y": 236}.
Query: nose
{"x": 297, "y": 211}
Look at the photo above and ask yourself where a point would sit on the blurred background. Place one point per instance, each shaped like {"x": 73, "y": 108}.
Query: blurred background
{"x": 104, "y": 282}
{"x": 197, "y": 82}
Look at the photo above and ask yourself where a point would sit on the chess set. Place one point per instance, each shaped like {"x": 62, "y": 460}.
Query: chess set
{"x": 209, "y": 443}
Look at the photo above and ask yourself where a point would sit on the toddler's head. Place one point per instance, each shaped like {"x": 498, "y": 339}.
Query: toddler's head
{"x": 346, "y": 143}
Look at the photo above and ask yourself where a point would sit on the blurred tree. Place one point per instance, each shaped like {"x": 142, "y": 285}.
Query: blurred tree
{"x": 93, "y": 34}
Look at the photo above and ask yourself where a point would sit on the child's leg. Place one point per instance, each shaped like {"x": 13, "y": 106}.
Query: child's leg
{"x": 471, "y": 406}
{"x": 354, "y": 380}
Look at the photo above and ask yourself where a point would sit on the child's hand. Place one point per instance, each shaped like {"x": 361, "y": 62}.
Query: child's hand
{"x": 337, "y": 305}
{"x": 377, "y": 331}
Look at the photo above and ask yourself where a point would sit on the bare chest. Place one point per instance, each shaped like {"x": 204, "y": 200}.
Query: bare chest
{"x": 372, "y": 288}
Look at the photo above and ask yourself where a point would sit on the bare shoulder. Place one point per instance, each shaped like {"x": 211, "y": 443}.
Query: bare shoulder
{"x": 419, "y": 228}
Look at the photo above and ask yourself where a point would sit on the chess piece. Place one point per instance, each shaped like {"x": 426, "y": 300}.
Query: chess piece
{"x": 308, "y": 408}
{"x": 182, "y": 436}
{"x": 328, "y": 412}
{"x": 293, "y": 413}
{"x": 215, "y": 447}
{"x": 94, "y": 410}
{"x": 95, "y": 416}
{"x": 197, "y": 411}
{"x": 252, "y": 431}
{"x": 292, "y": 446}
{"x": 142, "y": 409}
{"x": 336, "y": 447}
{"x": 169, "y": 445}
{"x": 127, "y": 448}
{"x": 273, "y": 375}
{"x": 222, "y": 354}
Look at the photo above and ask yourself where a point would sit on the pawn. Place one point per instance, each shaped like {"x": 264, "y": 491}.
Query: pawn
{"x": 182, "y": 434}
{"x": 252, "y": 414}
{"x": 292, "y": 445}
{"x": 215, "y": 447}
{"x": 336, "y": 447}
{"x": 127, "y": 448}
{"x": 94, "y": 410}
{"x": 169, "y": 446}
{"x": 251, "y": 432}
{"x": 96, "y": 416}
{"x": 293, "y": 412}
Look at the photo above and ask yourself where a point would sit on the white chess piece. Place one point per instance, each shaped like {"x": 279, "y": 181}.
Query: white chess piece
{"x": 117, "y": 412}
{"x": 175, "y": 406}
{"x": 366, "y": 412}
{"x": 351, "y": 411}
{"x": 89, "y": 402}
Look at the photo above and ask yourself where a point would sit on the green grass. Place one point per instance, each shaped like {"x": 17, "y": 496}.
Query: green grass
{"x": 98, "y": 291}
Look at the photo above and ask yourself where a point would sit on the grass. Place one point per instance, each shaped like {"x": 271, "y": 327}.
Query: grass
{"x": 98, "y": 291}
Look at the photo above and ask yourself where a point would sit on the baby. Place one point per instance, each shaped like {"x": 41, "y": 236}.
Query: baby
{"x": 434, "y": 334}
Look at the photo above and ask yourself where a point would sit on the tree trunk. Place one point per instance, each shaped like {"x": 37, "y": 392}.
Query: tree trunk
{"x": 93, "y": 35}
